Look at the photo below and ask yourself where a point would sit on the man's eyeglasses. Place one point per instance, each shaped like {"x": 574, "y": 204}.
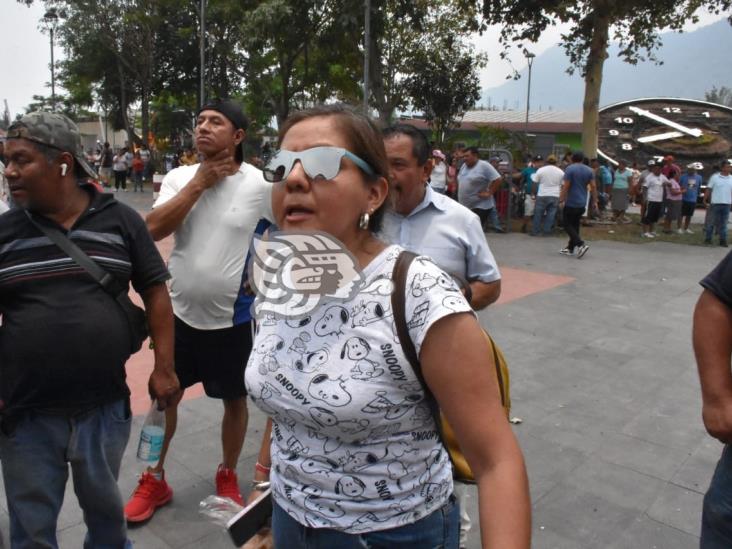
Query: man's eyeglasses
{"x": 318, "y": 163}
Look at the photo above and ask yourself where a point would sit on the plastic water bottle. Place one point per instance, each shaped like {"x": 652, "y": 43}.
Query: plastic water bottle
{"x": 151, "y": 437}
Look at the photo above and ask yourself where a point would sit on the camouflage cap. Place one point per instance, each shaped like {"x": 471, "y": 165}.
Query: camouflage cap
{"x": 56, "y": 131}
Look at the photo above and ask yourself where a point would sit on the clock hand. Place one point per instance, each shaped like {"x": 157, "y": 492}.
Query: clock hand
{"x": 659, "y": 137}
{"x": 696, "y": 132}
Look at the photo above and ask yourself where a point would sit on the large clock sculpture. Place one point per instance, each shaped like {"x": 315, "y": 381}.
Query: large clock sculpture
{"x": 645, "y": 129}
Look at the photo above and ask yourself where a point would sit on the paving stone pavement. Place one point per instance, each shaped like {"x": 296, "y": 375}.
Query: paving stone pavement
{"x": 603, "y": 377}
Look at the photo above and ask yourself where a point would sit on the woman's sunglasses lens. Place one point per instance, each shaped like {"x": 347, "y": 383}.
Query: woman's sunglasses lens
{"x": 274, "y": 174}
{"x": 322, "y": 162}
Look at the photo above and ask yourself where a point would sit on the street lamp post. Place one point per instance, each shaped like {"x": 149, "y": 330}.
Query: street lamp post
{"x": 366, "y": 52}
{"x": 51, "y": 19}
{"x": 530, "y": 59}
{"x": 202, "y": 47}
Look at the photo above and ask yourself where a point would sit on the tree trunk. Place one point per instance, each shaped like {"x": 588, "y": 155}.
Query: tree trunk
{"x": 593, "y": 78}
{"x": 123, "y": 105}
{"x": 145, "y": 114}
{"x": 377, "y": 91}
{"x": 283, "y": 104}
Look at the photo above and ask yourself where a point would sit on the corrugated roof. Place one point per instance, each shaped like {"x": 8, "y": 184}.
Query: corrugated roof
{"x": 515, "y": 121}
{"x": 517, "y": 117}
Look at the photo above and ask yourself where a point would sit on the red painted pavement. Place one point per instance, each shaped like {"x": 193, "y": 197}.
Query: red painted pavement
{"x": 515, "y": 284}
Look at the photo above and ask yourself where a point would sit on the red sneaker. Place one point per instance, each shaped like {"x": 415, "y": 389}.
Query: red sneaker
{"x": 227, "y": 485}
{"x": 150, "y": 494}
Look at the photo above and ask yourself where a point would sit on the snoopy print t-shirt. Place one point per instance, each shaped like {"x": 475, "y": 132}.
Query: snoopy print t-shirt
{"x": 354, "y": 446}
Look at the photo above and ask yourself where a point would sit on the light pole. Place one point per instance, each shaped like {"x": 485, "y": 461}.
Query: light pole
{"x": 51, "y": 19}
{"x": 530, "y": 59}
{"x": 366, "y": 51}
{"x": 202, "y": 46}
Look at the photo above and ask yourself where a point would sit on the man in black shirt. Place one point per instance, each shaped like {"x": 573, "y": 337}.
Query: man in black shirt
{"x": 64, "y": 340}
{"x": 713, "y": 348}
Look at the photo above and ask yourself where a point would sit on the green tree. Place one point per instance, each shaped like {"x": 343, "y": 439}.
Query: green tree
{"x": 403, "y": 33}
{"x": 721, "y": 95}
{"x": 445, "y": 83}
{"x": 298, "y": 52}
{"x": 634, "y": 24}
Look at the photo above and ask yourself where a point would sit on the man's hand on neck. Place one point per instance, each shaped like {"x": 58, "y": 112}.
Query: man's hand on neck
{"x": 214, "y": 169}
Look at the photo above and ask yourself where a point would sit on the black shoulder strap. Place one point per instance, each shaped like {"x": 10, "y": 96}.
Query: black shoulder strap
{"x": 108, "y": 282}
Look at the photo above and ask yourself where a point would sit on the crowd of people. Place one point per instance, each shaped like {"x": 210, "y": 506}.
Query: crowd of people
{"x": 665, "y": 192}
{"x": 354, "y": 387}
{"x": 126, "y": 164}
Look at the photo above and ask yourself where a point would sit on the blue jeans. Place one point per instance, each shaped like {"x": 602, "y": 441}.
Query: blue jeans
{"x": 545, "y": 205}
{"x": 35, "y": 461}
{"x": 716, "y": 531}
{"x": 438, "y": 530}
{"x": 718, "y": 217}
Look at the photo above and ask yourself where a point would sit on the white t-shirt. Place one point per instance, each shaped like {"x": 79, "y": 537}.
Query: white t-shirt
{"x": 211, "y": 245}
{"x": 438, "y": 177}
{"x": 654, "y": 183}
{"x": 550, "y": 180}
{"x": 354, "y": 445}
{"x": 119, "y": 163}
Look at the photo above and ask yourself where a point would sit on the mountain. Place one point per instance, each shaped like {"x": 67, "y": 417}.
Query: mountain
{"x": 693, "y": 62}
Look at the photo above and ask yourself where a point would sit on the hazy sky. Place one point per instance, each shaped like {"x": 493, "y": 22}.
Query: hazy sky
{"x": 26, "y": 54}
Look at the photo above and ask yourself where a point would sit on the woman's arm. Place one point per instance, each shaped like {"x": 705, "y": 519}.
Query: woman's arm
{"x": 264, "y": 460}
{"x": 459, "y": 369}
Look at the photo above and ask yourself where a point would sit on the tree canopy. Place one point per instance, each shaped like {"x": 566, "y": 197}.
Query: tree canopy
{"x": 721, "y": 96}
{"x": 137, "y": 61}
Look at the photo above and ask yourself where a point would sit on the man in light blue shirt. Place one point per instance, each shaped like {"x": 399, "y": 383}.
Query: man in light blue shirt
{"x": 478, "y": 181}
{"x": 718, "y": 198}
{"x": 432, "y": 224}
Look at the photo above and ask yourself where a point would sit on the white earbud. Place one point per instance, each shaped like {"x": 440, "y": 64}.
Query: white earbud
{"x": 64, "y": 167}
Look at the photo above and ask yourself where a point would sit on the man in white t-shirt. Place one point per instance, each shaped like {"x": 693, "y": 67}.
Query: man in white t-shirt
{"x": 718, "y": 199}
{"x": 212, "y": 208}
{"x": 653, "y": 183}
{"x": 549, "y": 178}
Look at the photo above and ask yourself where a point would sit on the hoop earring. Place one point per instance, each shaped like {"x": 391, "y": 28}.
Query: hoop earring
{"x": 363, "y": 221}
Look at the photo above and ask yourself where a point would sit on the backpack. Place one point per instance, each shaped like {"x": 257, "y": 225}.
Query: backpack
{"x": 461, "y": 469}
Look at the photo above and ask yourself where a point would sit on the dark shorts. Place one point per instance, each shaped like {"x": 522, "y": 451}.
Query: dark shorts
{"x": 653, "y": 212}
{"x": 216, "y": 358}
{"x": 673, "y": 210}
{"x": 687, "y": 208}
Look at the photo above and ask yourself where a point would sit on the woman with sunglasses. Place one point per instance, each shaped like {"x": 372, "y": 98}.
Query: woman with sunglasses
{"x": 356, "y": 460}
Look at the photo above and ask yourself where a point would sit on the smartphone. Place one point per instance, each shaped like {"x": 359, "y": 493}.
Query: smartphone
{"x": 245, "y": 524}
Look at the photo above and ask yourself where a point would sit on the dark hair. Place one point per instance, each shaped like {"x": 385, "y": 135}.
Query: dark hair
{"x": 578, "y": 156}
{"x": 473, "y": 150}
{"x": 363, "y": 137}
{"x": 420, "y": 147}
